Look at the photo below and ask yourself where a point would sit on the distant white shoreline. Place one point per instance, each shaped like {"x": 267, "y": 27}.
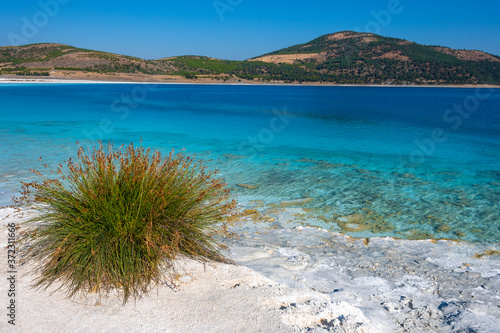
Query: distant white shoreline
{"x": 4, "y": 80}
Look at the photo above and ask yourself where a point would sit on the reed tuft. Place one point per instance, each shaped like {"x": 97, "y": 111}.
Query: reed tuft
{"x": 118, "y": 219}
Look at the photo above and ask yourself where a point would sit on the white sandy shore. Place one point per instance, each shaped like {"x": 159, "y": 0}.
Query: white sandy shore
{"x": 206, "y": 298}
{"x": 302, "y": 280}
{"x": 212, "y": 82}
{"x": 68, "y": 81}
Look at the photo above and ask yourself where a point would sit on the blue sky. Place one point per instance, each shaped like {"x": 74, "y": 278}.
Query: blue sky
{"x": 240, "y": 29}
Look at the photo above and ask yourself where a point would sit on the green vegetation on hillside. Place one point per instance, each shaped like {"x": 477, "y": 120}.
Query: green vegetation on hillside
{"x": 367, "y": 58}
{"x": 345, "y": 57}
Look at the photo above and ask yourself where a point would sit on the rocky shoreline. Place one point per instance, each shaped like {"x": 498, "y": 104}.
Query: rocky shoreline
{"x": 398, "y": 285}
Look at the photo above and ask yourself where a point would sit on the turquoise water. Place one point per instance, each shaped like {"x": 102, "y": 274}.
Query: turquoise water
{"x": 413, "y": 164}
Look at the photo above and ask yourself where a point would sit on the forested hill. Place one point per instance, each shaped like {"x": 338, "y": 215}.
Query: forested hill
{"x": 369, "y": 58}
{"x": 345, "y": 57}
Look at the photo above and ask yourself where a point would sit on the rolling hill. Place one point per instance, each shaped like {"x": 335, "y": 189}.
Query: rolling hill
{"x": 372, "y": 58}
{"x": 345, "y": 57}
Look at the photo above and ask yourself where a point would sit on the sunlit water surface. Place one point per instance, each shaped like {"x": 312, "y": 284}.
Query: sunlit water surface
{"x": 404, "y": 160}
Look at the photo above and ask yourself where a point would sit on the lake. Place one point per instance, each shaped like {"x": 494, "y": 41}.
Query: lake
{"x": 366, "y": 161}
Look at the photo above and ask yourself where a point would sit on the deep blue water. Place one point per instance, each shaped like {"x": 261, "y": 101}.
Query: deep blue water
{"x": 407, "y": 158}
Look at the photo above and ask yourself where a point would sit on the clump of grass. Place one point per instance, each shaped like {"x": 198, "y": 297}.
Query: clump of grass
{"x": 118, "y": 219}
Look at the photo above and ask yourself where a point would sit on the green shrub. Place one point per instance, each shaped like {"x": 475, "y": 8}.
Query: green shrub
{"x": 190, "y": 76}
{"x": 118, "y": 220}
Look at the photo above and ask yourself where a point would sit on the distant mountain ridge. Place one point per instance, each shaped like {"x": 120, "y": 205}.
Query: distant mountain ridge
{"x": 385, "y": 59}
{"x": 342, "y": 57}
{"x": 356, "y": 42}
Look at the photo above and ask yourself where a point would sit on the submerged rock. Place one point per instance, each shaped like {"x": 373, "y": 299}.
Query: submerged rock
{"x": 416, "y": 235}
{"x": 289, "y": 203}
{"x": 248, "y": 186}
{"x": 353, "y": 218}
{"x": 233, "y": 156}
{"x": 353, "y": 223}
{"x": 443, "y": 228}
{"x": 369, "y": 220}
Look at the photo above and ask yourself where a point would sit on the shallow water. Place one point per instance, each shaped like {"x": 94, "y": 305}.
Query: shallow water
{"x": 404, "y": 160}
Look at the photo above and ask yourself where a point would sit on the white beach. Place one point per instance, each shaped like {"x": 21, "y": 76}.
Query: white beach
{"x": 152, "y": 81}
{"x": 336, "y": 283}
